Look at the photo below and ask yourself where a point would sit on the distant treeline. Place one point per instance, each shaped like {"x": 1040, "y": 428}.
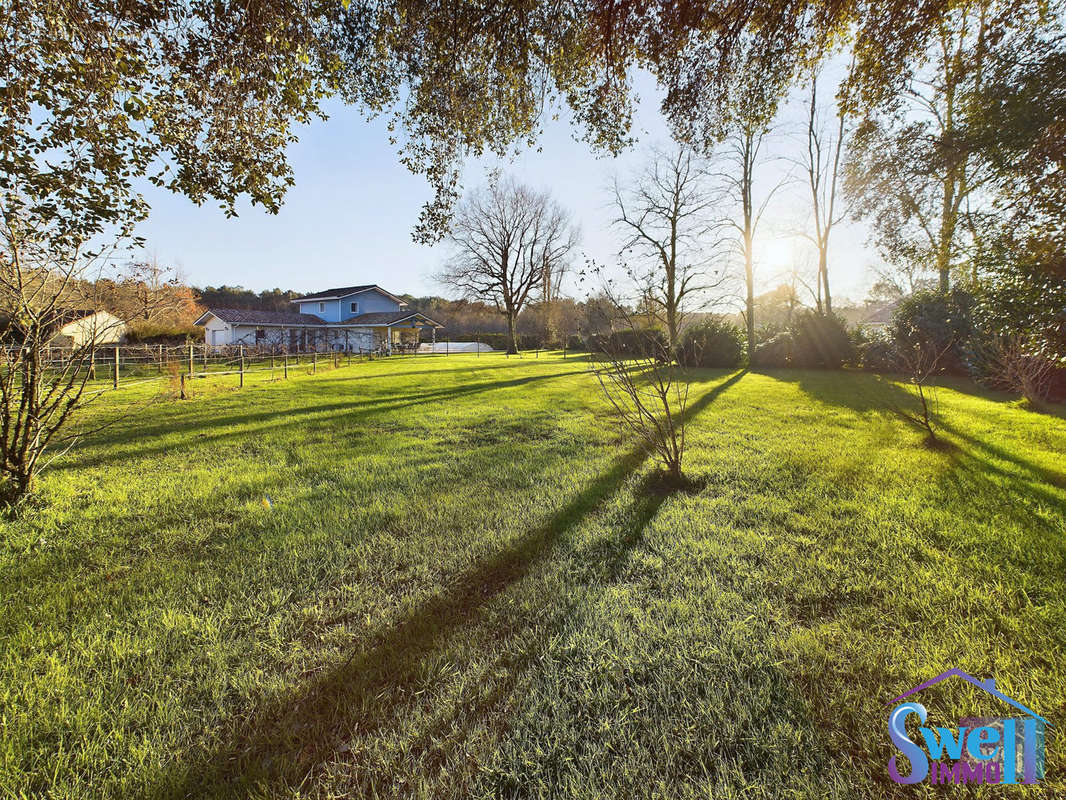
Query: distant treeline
{"x": 239, "y": 297}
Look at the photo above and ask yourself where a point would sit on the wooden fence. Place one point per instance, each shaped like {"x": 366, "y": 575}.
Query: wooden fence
{"x": 126, "y": 365}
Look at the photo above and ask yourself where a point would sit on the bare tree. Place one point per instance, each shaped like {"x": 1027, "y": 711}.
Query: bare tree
{"x": 651, "y": 399}
{"x": 744, "y": 143}
{"x": 43, "y": 287}
{"x": 822, "y": 162}
{"x": 643, "y": 385}
{"x": 1019, "y": 364}
{"x": 919, "y": 362}
{"x": 551, "y": 287}
{"x": 507, "y": 240}
{"x": 666, "y": 216}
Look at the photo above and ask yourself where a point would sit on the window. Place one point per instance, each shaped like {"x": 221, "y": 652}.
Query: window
{"x": 260, "y": 334}
{"x": 355, "y": 308}
{"x": 321, "y": 307}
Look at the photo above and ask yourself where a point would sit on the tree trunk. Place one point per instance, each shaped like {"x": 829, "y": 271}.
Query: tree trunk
{"x": 950, "y": 185}
{"x": 749, "y": 272}
{"x": 947, "y": 233}
{"x": 512, "y": 333}
{"x": 823, "y": 271}
{"x": 671, "y": 324}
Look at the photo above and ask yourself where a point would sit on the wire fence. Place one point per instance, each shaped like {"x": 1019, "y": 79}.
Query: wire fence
{"x": 123, "y": 366}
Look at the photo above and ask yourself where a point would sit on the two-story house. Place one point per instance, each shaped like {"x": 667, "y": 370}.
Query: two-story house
{"x": 349, "y": 318}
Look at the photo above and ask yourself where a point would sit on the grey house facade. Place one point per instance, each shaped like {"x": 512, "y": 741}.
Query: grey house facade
{"x": 349, "y": 319}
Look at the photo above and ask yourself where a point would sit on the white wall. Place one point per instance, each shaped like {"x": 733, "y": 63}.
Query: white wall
{"x": 214, "y": 325}
{"x": 99, "y": 328}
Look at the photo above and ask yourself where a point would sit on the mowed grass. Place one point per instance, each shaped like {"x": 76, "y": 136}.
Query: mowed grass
{"x": 464, "y": 584}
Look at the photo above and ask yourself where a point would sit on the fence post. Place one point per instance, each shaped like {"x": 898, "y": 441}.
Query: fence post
{"x": 242, "y": 365}
{"x": 183, "y": 386}
{"x": 192, "y": 367}
{"x": 271, "y": 362}
{"x": 160, "y": 359}
{"x": 92, "y": 364}
{"x": 115, "y": 385}
{"x": 285, "y": 363}
{"x": 314, "y": 362}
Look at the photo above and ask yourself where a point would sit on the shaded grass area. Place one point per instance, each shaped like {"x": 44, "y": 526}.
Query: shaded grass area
{"x": 455, "y": 578}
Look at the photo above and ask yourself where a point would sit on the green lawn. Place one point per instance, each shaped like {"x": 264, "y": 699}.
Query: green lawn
{"x": 464, "y": 585}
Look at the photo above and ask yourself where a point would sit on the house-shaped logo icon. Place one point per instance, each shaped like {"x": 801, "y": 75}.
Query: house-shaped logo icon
{"x": 984, "y": 750}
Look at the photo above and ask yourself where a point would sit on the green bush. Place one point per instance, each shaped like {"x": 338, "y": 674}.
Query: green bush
{"x": 575, "y": 342}
{"x": 146, "y": 333}
{"x": 631, "y": 342}
{"x": 878, "y": 355}
{"x": 937, "y": 325}
{"x": 775, "y": 352}
{"x": 820, "y": 340}
{"x": 711, "y": 343}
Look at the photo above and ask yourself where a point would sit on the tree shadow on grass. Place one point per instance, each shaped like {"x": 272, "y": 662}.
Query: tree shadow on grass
{"x": 711, "y": 395}
{"x": 862, "y": 392}
{"x": 197, "y": 426}
{"x": 291, "y": 737}
{"x": 868, "y": 394}
{"x": 977, "y": 469}
{"x": 325, "y": 725}
{"x": 479, "y": 366}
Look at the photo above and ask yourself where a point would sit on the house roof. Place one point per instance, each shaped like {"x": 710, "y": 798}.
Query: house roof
{"x": 346, "y": 291}
{"x": 254, "y": 316}
{"x": 251, "y": 316}
{"x": 65, "y": 317}
{"x": 880, "y": 316}
{"x": 389, "y": 318}
{"x": 989, "y": 686}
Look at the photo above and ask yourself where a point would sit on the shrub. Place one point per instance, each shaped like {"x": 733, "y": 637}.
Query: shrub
{"x": 820, "y": 340}
{"x": 878, "y": 355}
{"x": 939, "y": 325}
{"x": 146, "y": 333}
{"x": 1015, "y": 364}
{"x": 575, "y": 342}
{"x": 775, "y": 352}
{"x": 768, "y": 331}
{"x": 631, "y": 342}
{"x": 711, "y": 343}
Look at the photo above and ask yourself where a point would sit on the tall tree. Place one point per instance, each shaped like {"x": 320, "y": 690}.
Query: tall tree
{"x": 740, "y": 114}
{"x": 667, "y": 222}
{"x": 1014, "y": 125}
{"x": 551, "y": 287}
{"x": 745, "y": 144}
{"x": 822, "y": 164}
{"x": 911, "y": 172}
{"x": 506, "y": 238}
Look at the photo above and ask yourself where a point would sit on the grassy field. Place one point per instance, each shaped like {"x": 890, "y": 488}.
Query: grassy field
{"x": 452, "y": 577}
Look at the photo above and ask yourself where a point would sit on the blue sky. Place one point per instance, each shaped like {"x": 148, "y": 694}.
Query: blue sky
{"x": 348, "y": 219}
